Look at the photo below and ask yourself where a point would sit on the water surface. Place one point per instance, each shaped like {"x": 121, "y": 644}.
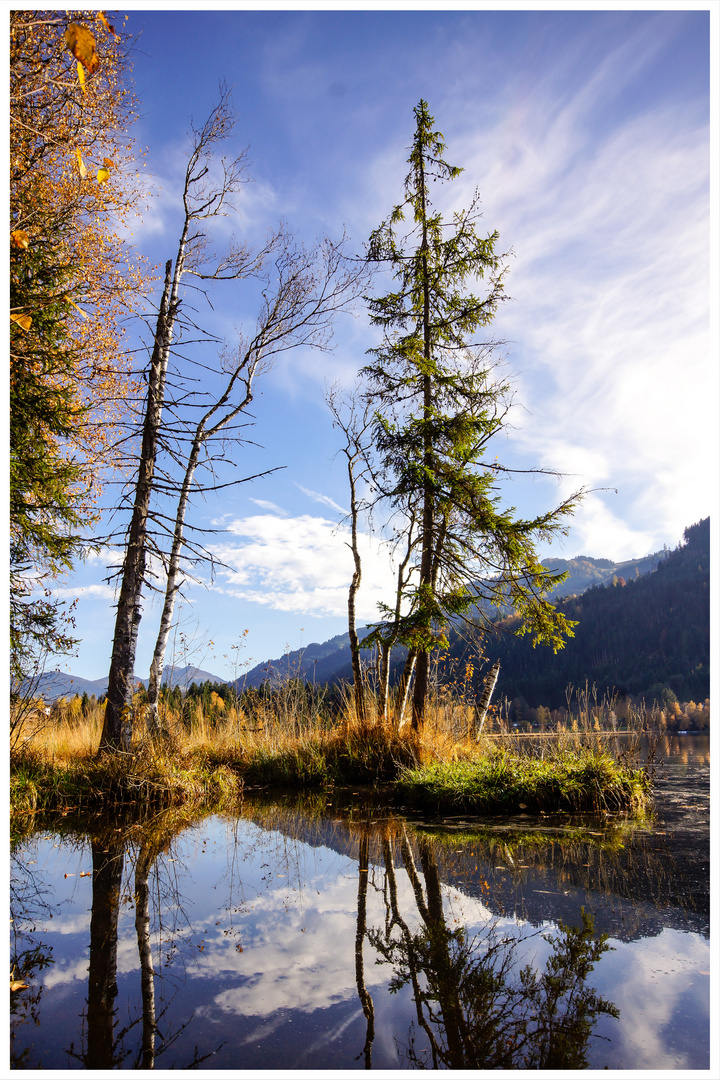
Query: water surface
{"x": 334, "y": 932}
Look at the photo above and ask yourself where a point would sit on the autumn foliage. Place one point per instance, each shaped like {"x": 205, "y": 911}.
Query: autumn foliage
{"x": 73, "y": 194}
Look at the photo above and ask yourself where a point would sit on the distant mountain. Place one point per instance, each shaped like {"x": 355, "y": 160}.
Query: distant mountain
{"x": 331, "y": 661}
{"x": 56, "y": 684}
{"x": 185, "y": 676}
{"x": 315, "y": 663}
{"x": 585, "y": 572}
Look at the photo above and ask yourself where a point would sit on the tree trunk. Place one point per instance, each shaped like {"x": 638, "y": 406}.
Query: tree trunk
{"x": 102, "y": 976}
{"x": 426, "y": 562}
{"x": 445, "y": 979}
{"x": 117, "y": 726}
{"x": 145, "y": 860}
{"x": 385, "y": 648}
{"x": 403, "y": 692}
{"x": 365, "y": 998}
{"x": 203, "y": 433}
{"x": 358, "y": 693}
{"x": 487, "y": 694}
{"x": 171, "y": 590}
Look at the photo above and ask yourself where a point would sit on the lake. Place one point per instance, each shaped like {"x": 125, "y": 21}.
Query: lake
{"x": 337, "y": 932}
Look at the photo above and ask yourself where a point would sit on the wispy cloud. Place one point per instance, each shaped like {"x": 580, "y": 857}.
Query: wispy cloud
{"x": 325, "y": 500}
{"x": 272, "y": 507}
{"x": 95, "y": 592}
{"x": 609, "y": 323}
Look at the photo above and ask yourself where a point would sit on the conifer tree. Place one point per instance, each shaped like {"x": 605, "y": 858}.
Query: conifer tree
{"x": 438, "y": 402}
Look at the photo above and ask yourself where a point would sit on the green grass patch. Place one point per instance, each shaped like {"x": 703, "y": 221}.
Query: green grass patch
{"x": 503, "y": 783}
{"x": 38, "y": 785}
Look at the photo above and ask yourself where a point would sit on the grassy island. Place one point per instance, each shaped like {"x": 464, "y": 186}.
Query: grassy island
{"x": 444, "y": 768}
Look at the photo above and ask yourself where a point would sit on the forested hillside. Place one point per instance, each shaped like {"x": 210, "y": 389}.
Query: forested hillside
{"x": 636, "y": 636}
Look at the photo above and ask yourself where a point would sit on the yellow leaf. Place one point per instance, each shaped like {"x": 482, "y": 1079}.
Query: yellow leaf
{"x": 103, "y": 176}
{"x": 81, "y": 167}
{"x": 81, "y": 76}
{"x": 83, "y": 313}
{"x": 81, "y": 44}
{"x": 20, "y": 239}
{"x": 23, "y": 321}
{"x": 16, "y": 985}
{"x": 103, "y": 20}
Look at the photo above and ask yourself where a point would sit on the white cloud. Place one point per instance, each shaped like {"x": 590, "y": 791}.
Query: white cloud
{"x": 649, "y": 1005}
{"x": 609, "y": 326}
{"x": 271, "y": 507}
{"x": 301, "y": 564}
{"x": 97, "y": 592}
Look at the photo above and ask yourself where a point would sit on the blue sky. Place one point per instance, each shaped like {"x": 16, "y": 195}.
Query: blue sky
{"x": 587, "y": 134}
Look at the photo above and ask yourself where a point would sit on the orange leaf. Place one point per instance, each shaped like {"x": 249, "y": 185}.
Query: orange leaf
{"x": 23, "y": 321}
{"x": 81, "y": 44}
{"x": 16, "y": 985}
{"x": 20, "y": 239}
{"x": 108, "y": 163}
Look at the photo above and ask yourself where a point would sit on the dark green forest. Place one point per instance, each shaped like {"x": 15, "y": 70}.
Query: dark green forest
{"x": 637, "y": 637}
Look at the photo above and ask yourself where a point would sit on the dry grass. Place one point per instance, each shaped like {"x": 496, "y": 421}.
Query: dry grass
{"x": 291, "y": 739}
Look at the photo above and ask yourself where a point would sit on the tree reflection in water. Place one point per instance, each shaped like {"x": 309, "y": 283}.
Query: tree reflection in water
{"x": 105, "y": 1043}
{"x": 102, "y": 1045}
{"x": 469, "y": 1001}
{"x": 476, "y": 1010}
{"x": 29, "y": 905}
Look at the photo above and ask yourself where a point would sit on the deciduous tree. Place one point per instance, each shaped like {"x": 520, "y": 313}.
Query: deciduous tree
{"x": 72, "y": 189}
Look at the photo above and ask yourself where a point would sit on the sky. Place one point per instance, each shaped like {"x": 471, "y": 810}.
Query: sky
{"x": 587, "y": 134}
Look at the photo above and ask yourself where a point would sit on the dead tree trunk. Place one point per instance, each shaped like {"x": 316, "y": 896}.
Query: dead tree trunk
{"x": 484, "y": 703}
{"x": 199, "y": 202}
{"x": 202, "y": 434}
{"x": 117, "y": 727}
{"x": 358, "y": 689}
{"x": 146, "y": 857}
{"x": 360, "y": 932}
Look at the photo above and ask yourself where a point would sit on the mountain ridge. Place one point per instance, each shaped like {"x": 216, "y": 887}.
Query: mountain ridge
{"x": 331, "y": 661}
{"x": 52, "y": 685}
{"x": 522, "y": 672}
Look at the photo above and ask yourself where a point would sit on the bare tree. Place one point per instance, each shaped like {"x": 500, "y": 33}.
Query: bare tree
{"x": 303, "y": 291}
{"x": 300, "y": 291}
{"x": 201, "y": 200}
{"x": 354, "y": 423}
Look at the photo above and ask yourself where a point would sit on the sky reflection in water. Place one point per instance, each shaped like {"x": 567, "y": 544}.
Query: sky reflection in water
{"x": 254, "y": 925}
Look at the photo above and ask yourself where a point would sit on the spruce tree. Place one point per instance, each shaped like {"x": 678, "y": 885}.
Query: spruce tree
{"x": 438, "y": 402}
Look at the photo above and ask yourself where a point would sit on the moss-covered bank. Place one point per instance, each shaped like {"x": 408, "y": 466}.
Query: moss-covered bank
{"x": 505, "y": 783}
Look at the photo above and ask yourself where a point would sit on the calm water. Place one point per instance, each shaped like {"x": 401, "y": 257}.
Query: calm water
{"x": 334, "y": 934}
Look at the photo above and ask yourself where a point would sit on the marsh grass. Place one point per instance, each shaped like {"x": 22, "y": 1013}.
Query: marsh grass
{"x": 291, "y": 740}
{"x": 503, "y": 782}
